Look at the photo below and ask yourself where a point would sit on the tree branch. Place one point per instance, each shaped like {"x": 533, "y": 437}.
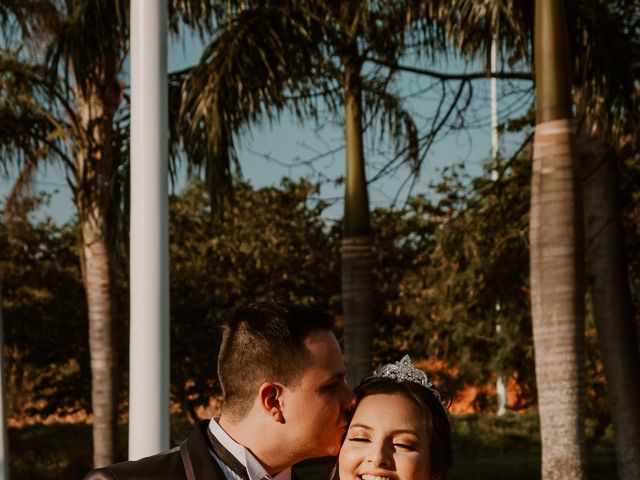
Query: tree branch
{"x": 452, "y": 76}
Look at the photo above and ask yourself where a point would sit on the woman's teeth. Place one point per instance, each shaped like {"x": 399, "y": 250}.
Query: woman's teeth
{"x": 373, "y": 477}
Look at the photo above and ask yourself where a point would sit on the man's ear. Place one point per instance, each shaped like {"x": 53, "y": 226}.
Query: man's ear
{"x": 270, "y": 395}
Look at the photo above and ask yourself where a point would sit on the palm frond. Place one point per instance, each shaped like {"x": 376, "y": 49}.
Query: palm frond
{"x": 30, "y": 130}
{"x": 605, "y": 47}
{"x": 91, "y": 40}
{"x": 200, "y": 16}
{"x": 472, "y": 25}
{"x": 395, "y": 26}
{"x": 26, "y": 20}
{"x": 386, "y": 113}
{"x": 262, "y": 62}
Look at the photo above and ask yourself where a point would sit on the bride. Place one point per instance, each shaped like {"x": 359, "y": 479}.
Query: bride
{"x": 399, "y": 429}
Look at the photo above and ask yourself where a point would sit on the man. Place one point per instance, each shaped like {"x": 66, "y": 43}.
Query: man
{"x": 285, "y": 399}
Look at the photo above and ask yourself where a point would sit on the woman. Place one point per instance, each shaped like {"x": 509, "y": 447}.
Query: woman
{"x": 399, "y": 430}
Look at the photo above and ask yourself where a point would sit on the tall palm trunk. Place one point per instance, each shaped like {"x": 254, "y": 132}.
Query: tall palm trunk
{"x": 95, "y": 260}
{"x": 357, "y": 256}
{"x": 557, "y": 298}
{"x": 91, "y": 156}
{"x": 611, "y": 298}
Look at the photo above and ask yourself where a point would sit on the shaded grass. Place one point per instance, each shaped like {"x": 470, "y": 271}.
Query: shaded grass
{"x": 508, "y": 447}
{"x": 485, "y": 447}
{"x": 64, "y": 451}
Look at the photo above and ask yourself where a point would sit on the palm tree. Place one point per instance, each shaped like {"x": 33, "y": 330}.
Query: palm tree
{"x": 606, "y": 102}
{"x": 76, "y": 116}
{"x": 611, "y": 296}
{"x": 272, "y": 56}
{"x": 69, "y": 106}
{"x": 557, "y": 298}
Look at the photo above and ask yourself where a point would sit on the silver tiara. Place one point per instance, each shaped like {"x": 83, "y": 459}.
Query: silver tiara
{"x": 404, "y": 371}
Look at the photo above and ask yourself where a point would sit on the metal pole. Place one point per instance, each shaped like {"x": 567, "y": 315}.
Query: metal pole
{"x": 501, "y": 389}
{"x": 494, "y": 103}
{"x": 149, "y": 267}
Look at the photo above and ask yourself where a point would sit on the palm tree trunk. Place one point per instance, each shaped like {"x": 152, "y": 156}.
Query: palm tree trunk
{"x": 94, "y": 153}
{"x": 611, "y": 299}
{"x": 557, "y": 298}
{"x": 357, "y": 256}
{"x": 95, "y": 261}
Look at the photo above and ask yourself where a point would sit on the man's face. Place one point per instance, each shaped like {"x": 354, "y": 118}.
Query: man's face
{"x": 316, "y": 408}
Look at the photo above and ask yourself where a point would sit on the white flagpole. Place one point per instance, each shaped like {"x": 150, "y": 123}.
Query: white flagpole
{"x": 501, "y": 389}
{"x": 149, "y": 270}
{"x": 494, "y": 103}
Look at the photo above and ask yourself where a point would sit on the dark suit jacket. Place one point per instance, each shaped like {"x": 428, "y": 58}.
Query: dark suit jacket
{"x": 190, "y": 461}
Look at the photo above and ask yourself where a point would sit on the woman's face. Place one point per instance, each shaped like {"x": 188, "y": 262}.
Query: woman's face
{"x": 387, "y": 439}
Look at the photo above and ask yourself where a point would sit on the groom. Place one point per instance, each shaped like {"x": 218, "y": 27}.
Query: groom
{"x": 285, "y": 400}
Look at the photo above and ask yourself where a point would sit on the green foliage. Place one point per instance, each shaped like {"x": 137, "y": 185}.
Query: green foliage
{"x": 469, "y": 277}
{"x": 44, "y": 311}
{"x": 402, "y": 240}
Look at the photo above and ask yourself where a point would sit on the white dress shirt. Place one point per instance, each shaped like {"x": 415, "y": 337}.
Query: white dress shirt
{"x": 254, "y": 468}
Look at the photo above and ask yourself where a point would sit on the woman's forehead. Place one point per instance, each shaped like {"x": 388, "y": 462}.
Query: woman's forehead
{"x": 390, "y": 411}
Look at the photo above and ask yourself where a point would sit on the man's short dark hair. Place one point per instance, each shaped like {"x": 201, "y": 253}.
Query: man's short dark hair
{"x": 262, "y": 342}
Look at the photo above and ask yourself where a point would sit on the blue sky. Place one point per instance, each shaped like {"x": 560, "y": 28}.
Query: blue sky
{"x": 270, "y": 152}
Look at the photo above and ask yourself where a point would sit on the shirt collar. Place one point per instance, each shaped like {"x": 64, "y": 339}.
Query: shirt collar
{"x": 254, "y": 468}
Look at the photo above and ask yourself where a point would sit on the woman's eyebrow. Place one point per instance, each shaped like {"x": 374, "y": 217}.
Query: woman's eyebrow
{"x": 360, "y": 425}
{"x": 402, "y": 430}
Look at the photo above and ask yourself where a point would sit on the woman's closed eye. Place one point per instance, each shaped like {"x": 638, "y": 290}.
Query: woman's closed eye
{"x": 359, "y": 439}
{"x": 404, "y": 446}
{"x": 406, "y": 441}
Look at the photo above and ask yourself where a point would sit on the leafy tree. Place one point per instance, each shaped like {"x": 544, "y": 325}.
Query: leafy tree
{"x": 403, "y": 238}
{"x": 46, "y": 355}
{"x": 468, "y": 292}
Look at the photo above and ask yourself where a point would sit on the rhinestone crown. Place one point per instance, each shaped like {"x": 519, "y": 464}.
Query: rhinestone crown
{"x": 404, "y": 371}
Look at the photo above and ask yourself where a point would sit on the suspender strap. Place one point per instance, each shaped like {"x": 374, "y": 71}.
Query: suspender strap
{"x": 186, "y": 461}
{"x": 227, "y": 457}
